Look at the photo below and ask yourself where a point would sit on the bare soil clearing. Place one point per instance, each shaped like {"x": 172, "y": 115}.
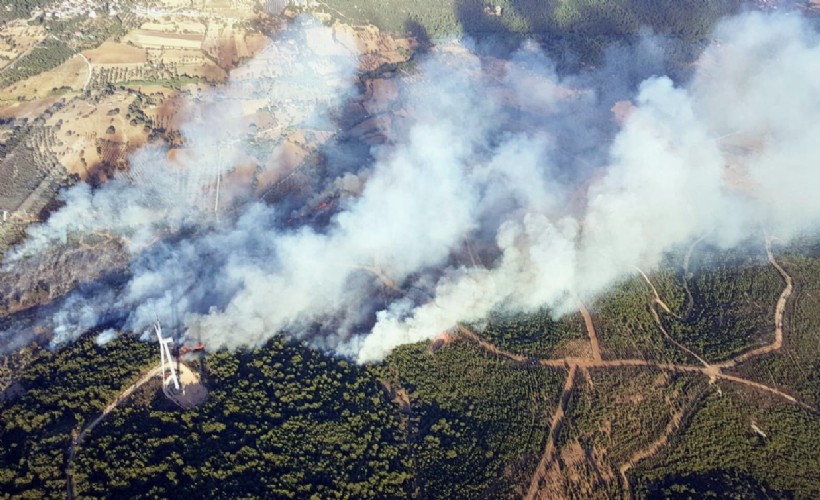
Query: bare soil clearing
{"x": 192, "y": 391}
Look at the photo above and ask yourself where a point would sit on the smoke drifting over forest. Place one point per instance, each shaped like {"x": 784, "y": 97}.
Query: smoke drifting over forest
{"x": 549, "y": 190}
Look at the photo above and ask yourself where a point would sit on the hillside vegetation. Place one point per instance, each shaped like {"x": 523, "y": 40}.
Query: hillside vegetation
{"x": 580, "y": 24}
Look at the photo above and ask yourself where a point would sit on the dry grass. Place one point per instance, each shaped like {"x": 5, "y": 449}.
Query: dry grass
{"x": 573, "y": 348}
{"x": 116, "y": 53}
{"x": 83, "y": 129}
{"x": 158, "y": 39}
{"x": 176, "y": 26}
{"x": 23, "y": 36}
{"x": 29, "y": 109}
{"x": 71, "y": 74}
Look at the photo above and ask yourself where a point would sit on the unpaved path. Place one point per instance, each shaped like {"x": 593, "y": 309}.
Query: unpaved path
{"x": 690, "y": 305}
{"x": 650, "y": 450}
{"x": 555, "y": 427}
{"x": 712, "y": 371}
{"x": 491, "y": 348}
{"x": 56, "y": 174}
{"x": 90, "y": 70}
{"x": 779, "y": 311}
{"x": 386, "y": 280}
{"x": 680, "y": 346}
{"x": 590, "y": 326}
{"x": 658, "y": 300}
{"x": 77, "y": 440}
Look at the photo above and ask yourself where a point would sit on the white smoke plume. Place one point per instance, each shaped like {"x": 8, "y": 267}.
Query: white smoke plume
{"x": 503, "y": 186}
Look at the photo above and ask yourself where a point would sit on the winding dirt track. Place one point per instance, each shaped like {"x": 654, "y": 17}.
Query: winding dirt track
{"x": 650, "y": 450}
{"x": 77, "y": 440}
{"x": 379, "y": 273}
{"x": 90, "y": 70}
{"x": 658, "y": 300}
{"x": 779, "y": 311}
{"x": 712, "y": 371}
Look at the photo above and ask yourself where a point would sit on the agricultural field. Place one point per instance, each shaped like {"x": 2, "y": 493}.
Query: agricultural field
{"x": 46, "y": 55}
{"x": 69, "y": 77}
{"x": 16, "y": 39}
{"x": 30, "y": 170}
{"x": 96, "y": 134}
{"x": 116, "y": 53}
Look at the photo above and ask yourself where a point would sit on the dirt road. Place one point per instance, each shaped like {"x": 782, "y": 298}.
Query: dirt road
{"x": 712, "y": 371}
{"x": 78, "y": 439}
{"x": 590, "y": 326}
{"x": 779, "y": 311}
{"x": 555, "y": 428}
{"x": 650, "y": 450}
{"x": 90, "y": 70}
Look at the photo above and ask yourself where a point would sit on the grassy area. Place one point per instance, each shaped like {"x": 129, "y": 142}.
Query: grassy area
{"x": 47, "y": 55}
{"x": 175, "y": 83}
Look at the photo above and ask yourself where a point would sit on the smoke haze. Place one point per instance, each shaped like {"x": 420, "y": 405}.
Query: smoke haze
{"x": 503, "y": 186}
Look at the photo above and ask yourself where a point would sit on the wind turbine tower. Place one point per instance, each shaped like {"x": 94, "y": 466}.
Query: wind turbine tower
{"x": 167, "y": 360}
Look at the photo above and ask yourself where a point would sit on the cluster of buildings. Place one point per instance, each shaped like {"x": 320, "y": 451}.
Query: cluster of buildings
{"x": 159, "y": 12}
{"x": 67, "y": 9}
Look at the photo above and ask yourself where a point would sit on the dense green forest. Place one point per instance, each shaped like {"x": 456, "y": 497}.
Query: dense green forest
{"x": 479, "y": 423}
{"x": 54, "y": 394}
{"x": 282, "y": 421}
{"x": 586, "y": 27}
{"x": 797, "y": 367}
{"x": 615, "y": 414}
{"x": 719, "y": 453}
{"x": 536, "y": 334}
{"x": 732, "y": 305}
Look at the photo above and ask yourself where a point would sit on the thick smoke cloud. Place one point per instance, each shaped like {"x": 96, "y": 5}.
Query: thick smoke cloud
{"x": 503, "y": 186}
